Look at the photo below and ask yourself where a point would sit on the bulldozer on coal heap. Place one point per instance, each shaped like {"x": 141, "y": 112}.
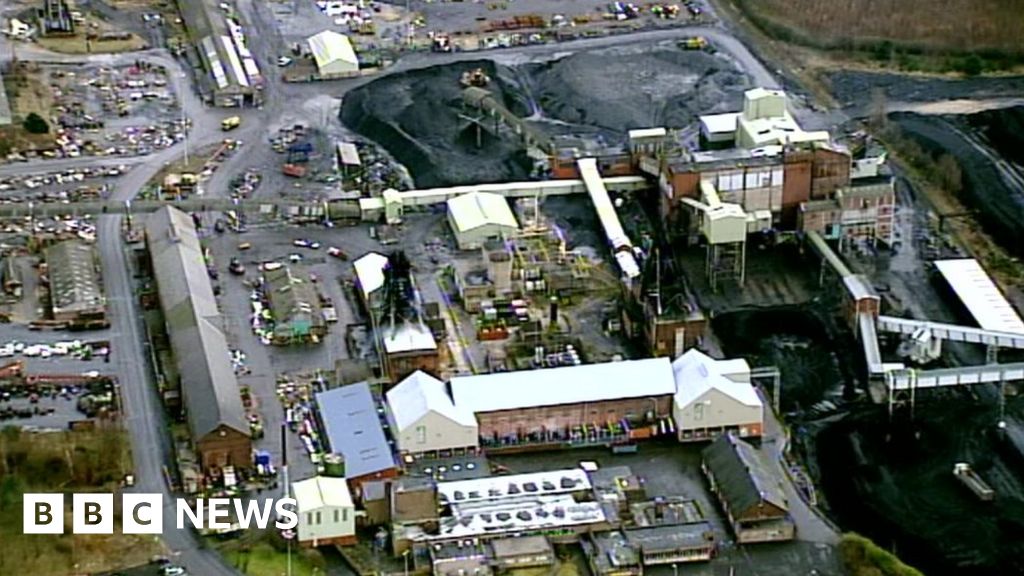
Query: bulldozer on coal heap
{"x": 476, "y": 77}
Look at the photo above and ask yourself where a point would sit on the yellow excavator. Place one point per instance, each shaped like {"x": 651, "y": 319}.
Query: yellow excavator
{"x": 476, "y": 77}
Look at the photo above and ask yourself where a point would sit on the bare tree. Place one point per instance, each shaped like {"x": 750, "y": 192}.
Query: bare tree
{"x": 949, "y": 174}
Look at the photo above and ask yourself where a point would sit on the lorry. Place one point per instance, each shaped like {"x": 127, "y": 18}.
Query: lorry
{"x": 969, "y": 478}
{"x": 230, "y": 123}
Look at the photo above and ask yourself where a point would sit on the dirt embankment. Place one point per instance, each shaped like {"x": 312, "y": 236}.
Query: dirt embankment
{"x": 415, "y": 116}
{"x": 1000, "y": 206}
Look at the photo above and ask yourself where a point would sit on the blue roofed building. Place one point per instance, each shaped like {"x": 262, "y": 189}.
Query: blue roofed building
{"x": 353, "y": 427}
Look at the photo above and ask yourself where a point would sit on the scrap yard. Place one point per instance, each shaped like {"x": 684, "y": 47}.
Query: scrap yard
{"x": 591, "y": 288}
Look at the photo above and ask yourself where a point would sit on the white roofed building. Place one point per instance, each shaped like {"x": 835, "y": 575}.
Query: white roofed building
{"x": 424, "y": 419}
{"x": 548, "y": 404}
{"x": 334, "y": 55}
{"x": 713, "y": 397}
{"x": 327, "y": 515}
{"x": 479, "y": 216}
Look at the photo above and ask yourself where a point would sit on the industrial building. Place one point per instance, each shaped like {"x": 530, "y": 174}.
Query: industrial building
{"x": 392, "y": 302}
{"x": 522, "y": 552}
{"x": 479, "y": 216}
{"x": 749, "y": 492}
{"x": 207, "y": 386}
{"x": 76, "y": 290}
{"x": 424, "y": 420}
{"x": 231, "y": 76}
{"x": 523, "y": 504}
{"x": 695, "y": 398}
{"x": 294, "y": 306}
{"x": 327, "y": 516}
{"x": 610, "y": 554}
{"x": 352, "y": 424}
{"x": 590, "y": 403}
{"x": 714, "y": 397}
{"x": 334, "y": 55}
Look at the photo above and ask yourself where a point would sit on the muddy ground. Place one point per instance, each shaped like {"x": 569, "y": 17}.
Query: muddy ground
{"x": 415, "y": 115}
{"x": 1000, "y": 203}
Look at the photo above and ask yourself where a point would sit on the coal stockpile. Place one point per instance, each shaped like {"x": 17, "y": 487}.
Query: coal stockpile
{"x": 415, "y": 116}
{"x": 798, "y": 343}
{"x": 854, "y": 88}
{"x": 1000, "y": 206}
{"x": 620, "y": 90}
{"x": 602, "y": 94}
{"x": 1004, "y": 130}
{"x": 895, "y": 483}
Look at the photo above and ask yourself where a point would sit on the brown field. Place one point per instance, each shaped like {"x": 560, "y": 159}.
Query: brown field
{"x": 27, "y": 92}
{"x": 958, "y": 25}
{"x": 64, "y": 462}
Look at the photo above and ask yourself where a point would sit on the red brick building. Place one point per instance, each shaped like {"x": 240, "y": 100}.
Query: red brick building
{"x": 553, "y": 404}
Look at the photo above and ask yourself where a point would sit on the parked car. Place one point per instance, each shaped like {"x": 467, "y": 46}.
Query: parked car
{"x": 304, "y": 243}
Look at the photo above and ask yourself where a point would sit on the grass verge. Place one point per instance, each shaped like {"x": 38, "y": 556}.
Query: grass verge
{"x": 862, "y": 557}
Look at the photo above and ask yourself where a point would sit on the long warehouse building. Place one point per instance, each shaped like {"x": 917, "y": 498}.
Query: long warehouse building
{"x": 230, "y": 76}
{"x": 208, "y": 386}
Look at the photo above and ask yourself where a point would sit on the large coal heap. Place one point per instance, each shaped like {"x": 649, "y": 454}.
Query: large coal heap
{"x": 415, "y": 116}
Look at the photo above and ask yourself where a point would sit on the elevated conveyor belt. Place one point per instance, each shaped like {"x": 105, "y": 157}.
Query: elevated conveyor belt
{"x": 825, "y": 251}
{"x": 621, "y": 243}
{"x": 897, "y": 380}
{"x": 952, "y": 332}
{"x": 869, "y": 340}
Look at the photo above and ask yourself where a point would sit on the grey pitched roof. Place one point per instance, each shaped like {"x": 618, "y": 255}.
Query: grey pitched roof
{"x": 208, "y": 383}
{"x": 742, "y": 475}
{"x": 74, "y": 279}
{"x": 354, "y": 429}
{"x": 293, "y": 298}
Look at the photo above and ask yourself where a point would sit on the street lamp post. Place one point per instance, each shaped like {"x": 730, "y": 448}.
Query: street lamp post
{"x": 405, "y": 556}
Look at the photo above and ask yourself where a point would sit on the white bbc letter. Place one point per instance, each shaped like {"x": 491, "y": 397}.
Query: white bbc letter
{"x": 92, "y": 514}
{"x": 219, "y": 508}
{"x": 246, "y": 514}
{"x": 43, "y": 514}
{"x": 287, "y": 517}
{"x": 142, "y": 513}
{"x": 196, "y": 517}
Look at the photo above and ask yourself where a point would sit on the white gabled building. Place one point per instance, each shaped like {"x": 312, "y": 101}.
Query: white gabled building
{"x": 334, "y": 55}
{"x": 424, "y": 419}
{"x": 478, "y": 216}
{"x": 327, "y": 515}
{"x": 714, "y": 396}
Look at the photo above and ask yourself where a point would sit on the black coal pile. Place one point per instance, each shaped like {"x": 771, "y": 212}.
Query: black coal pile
{"x": 416, "y": 116}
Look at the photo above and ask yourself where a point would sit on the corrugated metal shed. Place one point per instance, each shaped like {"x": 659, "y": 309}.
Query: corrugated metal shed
{"x": 476, "y": 209}
{"x": 74, "y": 278}
{"x": 354, "y": 429}
{"x": 980, "y": 295}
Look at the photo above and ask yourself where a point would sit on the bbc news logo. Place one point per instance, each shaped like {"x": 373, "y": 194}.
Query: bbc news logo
{"x": 144, "y": 513}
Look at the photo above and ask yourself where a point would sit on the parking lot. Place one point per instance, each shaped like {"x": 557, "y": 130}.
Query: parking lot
{"x": 105, "y": 110}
